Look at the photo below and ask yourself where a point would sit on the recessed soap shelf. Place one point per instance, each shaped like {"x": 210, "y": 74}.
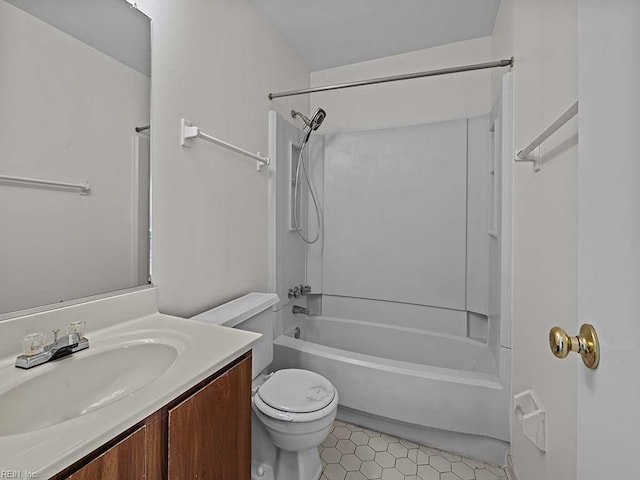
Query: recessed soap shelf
{"x": 532, "y": 416}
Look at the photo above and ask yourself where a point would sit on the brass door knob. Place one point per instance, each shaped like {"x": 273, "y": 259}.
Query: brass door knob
{"x": 586, "y": 344}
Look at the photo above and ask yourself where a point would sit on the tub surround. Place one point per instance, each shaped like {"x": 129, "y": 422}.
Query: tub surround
{"x": 400, "y": 320}
{"x": 126, "y": 319}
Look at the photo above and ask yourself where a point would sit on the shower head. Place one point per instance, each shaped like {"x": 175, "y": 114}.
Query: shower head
{"x": 314, "y": 122}
{"x": 311, "y": 124}
{"x": 317, "y": 119}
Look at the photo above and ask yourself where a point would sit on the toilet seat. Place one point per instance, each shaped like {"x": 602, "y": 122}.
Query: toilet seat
{"x": 297, "y": 391}
{"x": 295, "y": 395}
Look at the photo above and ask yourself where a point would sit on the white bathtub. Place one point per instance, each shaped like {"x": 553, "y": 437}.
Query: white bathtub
{"x": 412, "y": 376}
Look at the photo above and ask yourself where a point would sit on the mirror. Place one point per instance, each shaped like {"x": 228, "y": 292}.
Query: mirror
{"x": 74, "y": 172}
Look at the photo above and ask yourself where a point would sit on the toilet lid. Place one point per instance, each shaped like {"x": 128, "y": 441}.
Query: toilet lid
{"x": 297, "y": 391}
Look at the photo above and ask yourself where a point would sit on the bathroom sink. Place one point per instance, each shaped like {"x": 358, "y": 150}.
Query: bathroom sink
{"x": 82, "y": 383}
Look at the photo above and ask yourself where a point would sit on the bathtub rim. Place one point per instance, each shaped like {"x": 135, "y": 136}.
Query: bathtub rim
{"x": 465, "y": 377}
{"x": 477, "y": 349}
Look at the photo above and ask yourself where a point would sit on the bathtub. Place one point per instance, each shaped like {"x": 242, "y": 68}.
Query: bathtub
{"x": 415, "y": 377}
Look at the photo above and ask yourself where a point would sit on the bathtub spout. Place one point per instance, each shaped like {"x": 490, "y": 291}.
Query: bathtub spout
{"x": 300, "y": 310}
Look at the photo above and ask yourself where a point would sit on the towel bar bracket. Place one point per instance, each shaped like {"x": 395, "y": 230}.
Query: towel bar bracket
{"x": 187, "y": 133}
{"x": 535, "y": 159}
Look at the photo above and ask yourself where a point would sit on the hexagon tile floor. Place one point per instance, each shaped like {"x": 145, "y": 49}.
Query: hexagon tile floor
{"x": 355, "y": 453}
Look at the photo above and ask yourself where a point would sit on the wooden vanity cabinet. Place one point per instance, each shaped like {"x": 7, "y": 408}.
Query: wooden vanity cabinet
{"x": 210, "y": 432}
{"x": 124, "y": 460}
{"x": 204, "y": 433}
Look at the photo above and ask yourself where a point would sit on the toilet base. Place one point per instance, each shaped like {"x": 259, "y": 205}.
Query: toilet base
{"x": 262, "y": 471}
{"x": 301, "y": 465}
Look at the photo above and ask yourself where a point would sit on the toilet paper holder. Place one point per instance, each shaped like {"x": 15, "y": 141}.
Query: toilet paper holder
{"x": 532, "y": 416}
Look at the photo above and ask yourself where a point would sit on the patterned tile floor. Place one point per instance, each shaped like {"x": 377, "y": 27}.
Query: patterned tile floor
{"x": 354, "y": 453}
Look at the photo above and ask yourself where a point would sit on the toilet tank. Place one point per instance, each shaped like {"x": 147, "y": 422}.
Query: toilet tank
{"x": 250, "y": 312}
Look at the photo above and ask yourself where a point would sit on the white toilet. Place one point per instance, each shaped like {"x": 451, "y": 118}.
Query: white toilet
{"x": 296, "y": 408}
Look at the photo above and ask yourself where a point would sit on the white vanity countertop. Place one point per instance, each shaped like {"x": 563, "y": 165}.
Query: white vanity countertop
{"x": 200, "y": 349}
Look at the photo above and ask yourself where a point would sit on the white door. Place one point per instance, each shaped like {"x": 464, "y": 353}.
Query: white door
{"x": 609, "y": 237}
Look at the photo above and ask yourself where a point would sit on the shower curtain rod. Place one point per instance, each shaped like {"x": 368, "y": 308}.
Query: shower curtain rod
{"x": 395, "y": 78}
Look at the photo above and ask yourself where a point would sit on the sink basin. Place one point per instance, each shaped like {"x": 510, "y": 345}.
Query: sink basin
{"x": 80, "y": 384}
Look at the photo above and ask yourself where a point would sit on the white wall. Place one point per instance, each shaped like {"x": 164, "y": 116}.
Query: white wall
{"x": 213, "y": 62}
{"x": 409, "y": 102}
{"x": 501, "y": 43}
{"x": 396, "y": 214}
{"x": 609, "y": 235}
{"x": 542, "y": 35}
{"x": 67, "y": 113}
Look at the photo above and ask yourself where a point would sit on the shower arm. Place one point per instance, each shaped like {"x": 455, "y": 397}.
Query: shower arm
{"x": 305, "y": 119}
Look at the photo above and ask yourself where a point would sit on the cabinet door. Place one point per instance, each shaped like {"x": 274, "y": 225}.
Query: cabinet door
{"x": 124, "y": 460}
{"x": 210, "y": 432}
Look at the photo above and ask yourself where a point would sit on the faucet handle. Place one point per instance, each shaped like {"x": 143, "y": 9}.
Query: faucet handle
{"x": 55, "y": 331}
{"x": 79, "y": 327}
{"x": 33, "y": 344}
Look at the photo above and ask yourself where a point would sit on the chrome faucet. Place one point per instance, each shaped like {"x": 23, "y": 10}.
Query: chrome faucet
{"x": 62, "y": 347}
{"x": 299, "y": 291}
{"x": 297, "y": 309}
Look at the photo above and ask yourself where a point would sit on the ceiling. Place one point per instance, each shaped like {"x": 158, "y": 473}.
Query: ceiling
{"x": 329, "y": 33}
{"x": 111, "y": 26}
